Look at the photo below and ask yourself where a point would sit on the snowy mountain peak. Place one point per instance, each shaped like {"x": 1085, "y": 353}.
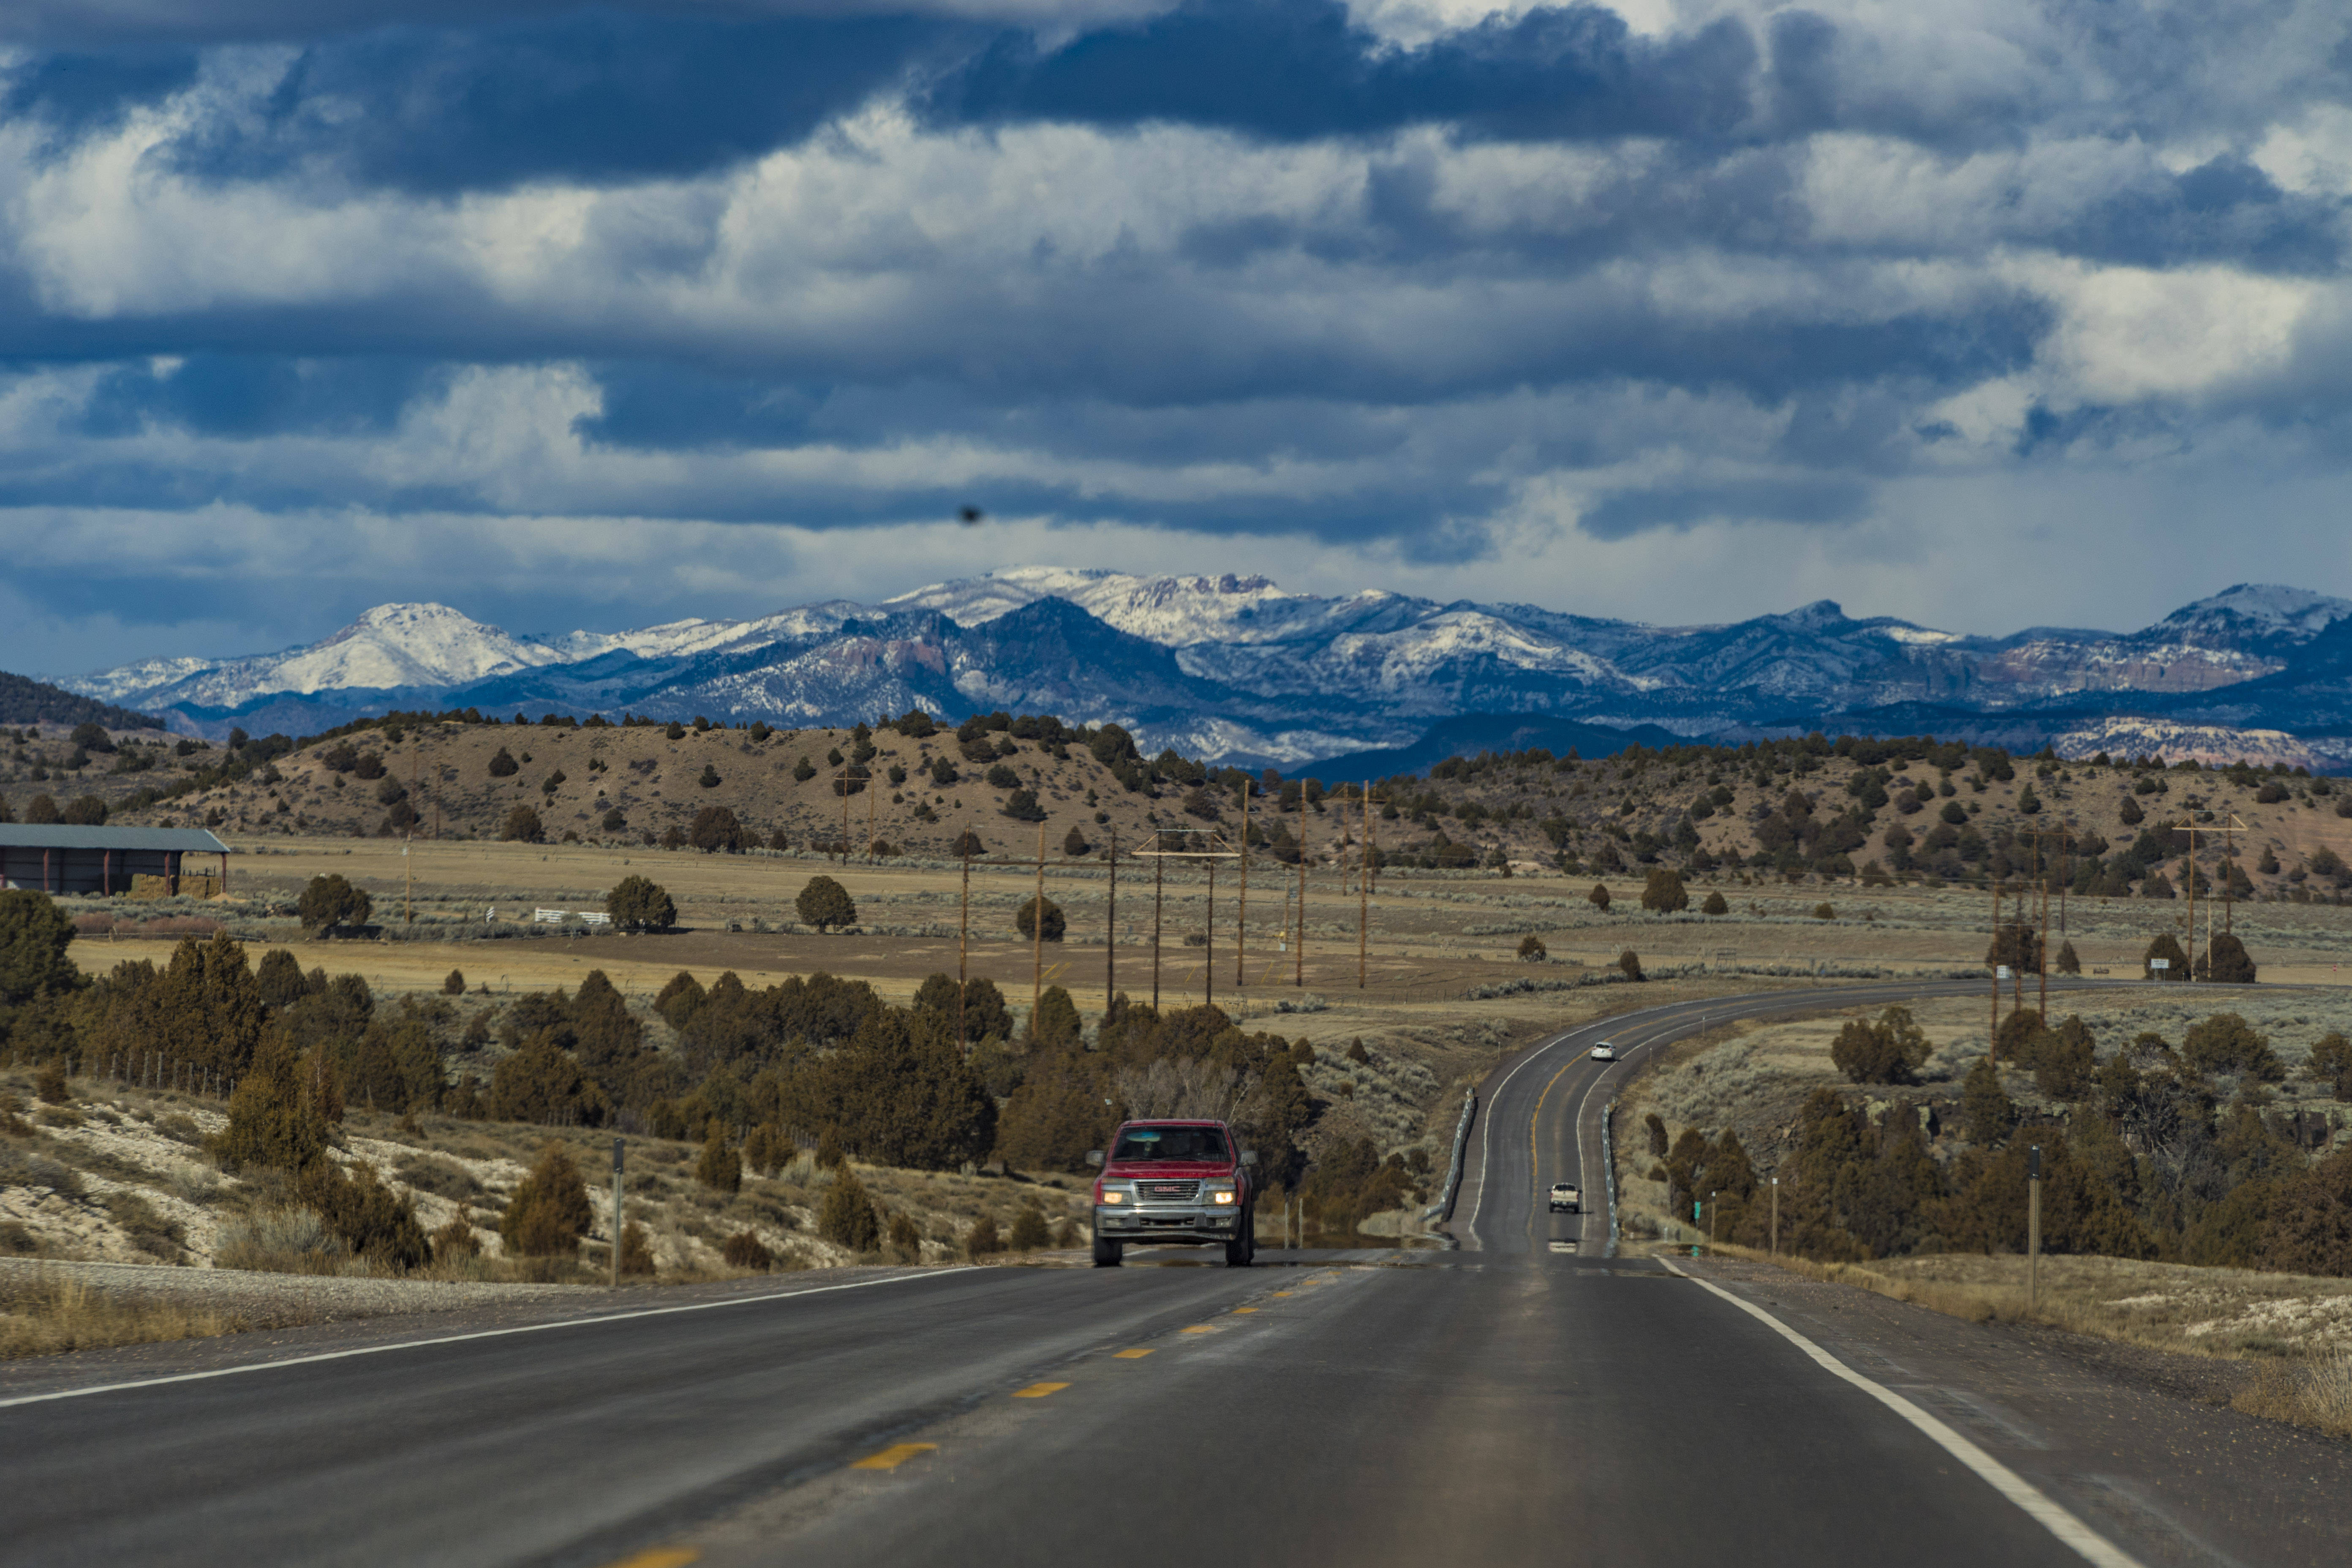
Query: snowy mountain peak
{"x": 395, "y": 646}
{"x": 2271, "y": 607}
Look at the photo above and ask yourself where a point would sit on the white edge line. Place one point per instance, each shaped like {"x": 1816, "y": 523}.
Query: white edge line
{"x": 2037, "y": 1503}
{"x": 453, "y": 1340}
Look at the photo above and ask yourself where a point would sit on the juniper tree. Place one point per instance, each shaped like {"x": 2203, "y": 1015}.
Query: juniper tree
{"x": 826, "y": 903}
{"x": 548, "y": 1212}
{"x": 846, "y": 1217}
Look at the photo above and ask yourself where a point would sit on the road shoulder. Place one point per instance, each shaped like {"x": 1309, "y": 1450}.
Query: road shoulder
{"x": 2140, "y": 1444}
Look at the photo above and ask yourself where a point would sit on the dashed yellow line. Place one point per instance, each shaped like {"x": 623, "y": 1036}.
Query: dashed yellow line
{"x": 1282, "y": 1292}
{"x": 661, "y": 1557}
{"x": 896, "y": 1455}
{"x": 1240, "y": 1310}
{"x": 1129, "y": 1355}
{"x": 1039, "y": 1390}
{"x": 1199, "y": 1328}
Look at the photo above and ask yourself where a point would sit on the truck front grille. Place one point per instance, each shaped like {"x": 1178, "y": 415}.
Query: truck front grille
{"x": 1167, "y": 1192}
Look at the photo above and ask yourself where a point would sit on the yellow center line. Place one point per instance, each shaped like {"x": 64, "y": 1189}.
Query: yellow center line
{"x": 661, "y": 1557}
{"x": 1534, "y": 1168}
{"x": 1039, "y": 1390}
{"x": 1282, "y": 1292}
{"x": 1240, "y": 1310}
{"x": 1198, "y": 1328}
{"x": 891, "y": 1457}
{"x": 1129, "y": 1355}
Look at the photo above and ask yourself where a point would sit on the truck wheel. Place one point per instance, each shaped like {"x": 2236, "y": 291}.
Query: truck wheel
{"x": 1106, "y": 1253}
{"x": 1239, "y": 1251}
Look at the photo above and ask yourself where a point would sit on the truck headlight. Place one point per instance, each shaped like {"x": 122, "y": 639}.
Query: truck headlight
{"x": 1220, "y": 1194}
{"x": 1113, "y": 1199}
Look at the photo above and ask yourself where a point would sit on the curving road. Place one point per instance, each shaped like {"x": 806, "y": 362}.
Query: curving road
{"x": 1539, "y": 1116}
{"x": 1502, "y": 1404}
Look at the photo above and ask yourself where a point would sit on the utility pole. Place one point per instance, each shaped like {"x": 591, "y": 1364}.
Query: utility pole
{"x": 2042, "y": 937}
{"x": 2016, "y": 971}
{"x": 1037, "y": 939}
{"x": 1110, "y": 929}
{"x": 2032, "y": 1225}
{"x": 1994, "y": 968}
{"x": 1209, "y": 950}
{"x": 2191, "y": 879}
{"x": 1241, "y": 908}
{"x": 1364, "y": 894}
{"x": 963, "y": 937}
{"x": 1300, "y": 980}
{"x": 1159, "y": 870}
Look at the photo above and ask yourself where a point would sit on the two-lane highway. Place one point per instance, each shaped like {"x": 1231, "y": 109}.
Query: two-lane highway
{"x": 1497, "y": 1404}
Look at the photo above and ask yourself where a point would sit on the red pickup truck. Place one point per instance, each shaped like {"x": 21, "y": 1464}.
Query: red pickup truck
{"x": 1174, "y": 1182}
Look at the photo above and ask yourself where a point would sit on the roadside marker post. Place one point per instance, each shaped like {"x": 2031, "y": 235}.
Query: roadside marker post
{"x": 2032, "y": 1225}
{"x": 617, "y": 1147}
{"x": 1776, "y": 1217}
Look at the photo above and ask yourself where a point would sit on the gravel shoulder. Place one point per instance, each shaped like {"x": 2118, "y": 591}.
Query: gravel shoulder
{"x": 2139, "y": 1443}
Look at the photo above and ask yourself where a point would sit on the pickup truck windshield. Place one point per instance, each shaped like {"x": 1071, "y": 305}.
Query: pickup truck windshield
{"x": 1139, "y": 1143}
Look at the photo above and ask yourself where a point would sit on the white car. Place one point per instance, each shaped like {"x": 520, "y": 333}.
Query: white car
{"x": 1604, "y": 1052}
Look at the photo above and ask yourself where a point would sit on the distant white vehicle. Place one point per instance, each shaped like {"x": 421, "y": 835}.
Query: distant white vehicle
{"x": 1566, "y": 1198}
{"x": 1604, "y": 1052}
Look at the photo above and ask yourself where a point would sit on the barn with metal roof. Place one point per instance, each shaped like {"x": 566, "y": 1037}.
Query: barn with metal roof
{"x": 56, "y": 859}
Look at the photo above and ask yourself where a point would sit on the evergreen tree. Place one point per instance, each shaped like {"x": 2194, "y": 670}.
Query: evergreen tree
{"x": 2067, "y": 962}
{"x": 2231, "y": 965}
{"x": 1029, "y": 1231}
{"x": 981, "y": 1240}
{"x": 502, "y": 763}
{"x": 1056, "y": 1026}
{"x": 720, "y": 1168}
{"x": 715, "y": 830}
{"x": 846, "y": 1217}
{"x": 34, "y": 935}
{"x": 329, "y": 902}
{"x": 1664, "y": 894}
{"x": 1985, "y": 1105}
{"x": 1598, "y": 897}
{"x": 638, "y": 903}
{"x": 548, "y": 1212}
{"x": 273, "y": 1121}
{"x": 2165, "y": 947}
{"x": 824, "y": 904}
{"x": 1714, "y": 905}
{"x": 1025, "y": 922}
{"x": 1074, "y": 843}
{"x": 523, "y": 826}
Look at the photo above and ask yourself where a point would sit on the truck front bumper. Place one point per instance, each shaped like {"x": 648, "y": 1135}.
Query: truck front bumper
{"x": 1119, "y": 1223}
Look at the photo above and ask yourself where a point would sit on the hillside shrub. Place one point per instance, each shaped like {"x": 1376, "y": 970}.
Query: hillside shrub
{"x": 1598, "y": 897}
{"x": 1532, "y": 950}
{"x": 981, "y": 1240}
{"x": 2166, "y": 947}
{"x": 502, "y": 763}
{"x": 1664, "y": 893}
{"x": 846, "y": 1217}
{"x": 636, "y": 1250}
{"x": 1029, "y": 1232}
{"x": 1025, "y": 922}
{"x": 523, "y": 826}
{"x": 1714, "y": 905}
{"x": 329, "y": 902}
{"x": 745, "y": 1250}
{"x": 548, "y": 1212}
{"x": 1629, "y": 964}
{"x": 720, "y": 1167}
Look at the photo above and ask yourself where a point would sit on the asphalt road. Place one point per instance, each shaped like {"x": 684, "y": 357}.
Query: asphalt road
{"x": 1502, "y": 1404}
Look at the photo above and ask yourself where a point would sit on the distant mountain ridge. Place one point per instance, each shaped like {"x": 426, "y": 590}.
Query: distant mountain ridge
{"x": 1238, "y": 668}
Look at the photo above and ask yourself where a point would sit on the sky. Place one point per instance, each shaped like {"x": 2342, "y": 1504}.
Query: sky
{"x": 1987, "y": 313}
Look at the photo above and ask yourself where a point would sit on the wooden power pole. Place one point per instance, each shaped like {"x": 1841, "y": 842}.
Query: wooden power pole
{"x": 1037, "y": 939}
{"x": 1110, "y": 929}
{"x": 1241, "y": 906}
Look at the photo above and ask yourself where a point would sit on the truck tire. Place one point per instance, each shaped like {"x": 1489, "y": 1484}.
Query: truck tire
{"x": 1242, "y": 1247}
{"x": 1106, "y": 1253}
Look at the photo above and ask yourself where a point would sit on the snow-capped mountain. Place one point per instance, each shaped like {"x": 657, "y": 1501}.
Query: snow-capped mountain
{"x": 1238, "y": 668}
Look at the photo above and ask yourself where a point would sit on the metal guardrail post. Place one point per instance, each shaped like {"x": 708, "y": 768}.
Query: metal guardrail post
{"x": 1609, "y": 1170}
{"x": 1445, "y": 1207}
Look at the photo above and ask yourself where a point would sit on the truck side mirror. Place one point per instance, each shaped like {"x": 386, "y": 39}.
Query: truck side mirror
{"x": 1094, "y": 1156}
{"x": 1249, "y": 1156}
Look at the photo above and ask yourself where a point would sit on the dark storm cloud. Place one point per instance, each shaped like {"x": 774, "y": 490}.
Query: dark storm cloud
{"x": 258, "y": 395}
{"x": 589, "y": 96}
{"x": 78, "y": 93}
{"x": 1298, "y": 69}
